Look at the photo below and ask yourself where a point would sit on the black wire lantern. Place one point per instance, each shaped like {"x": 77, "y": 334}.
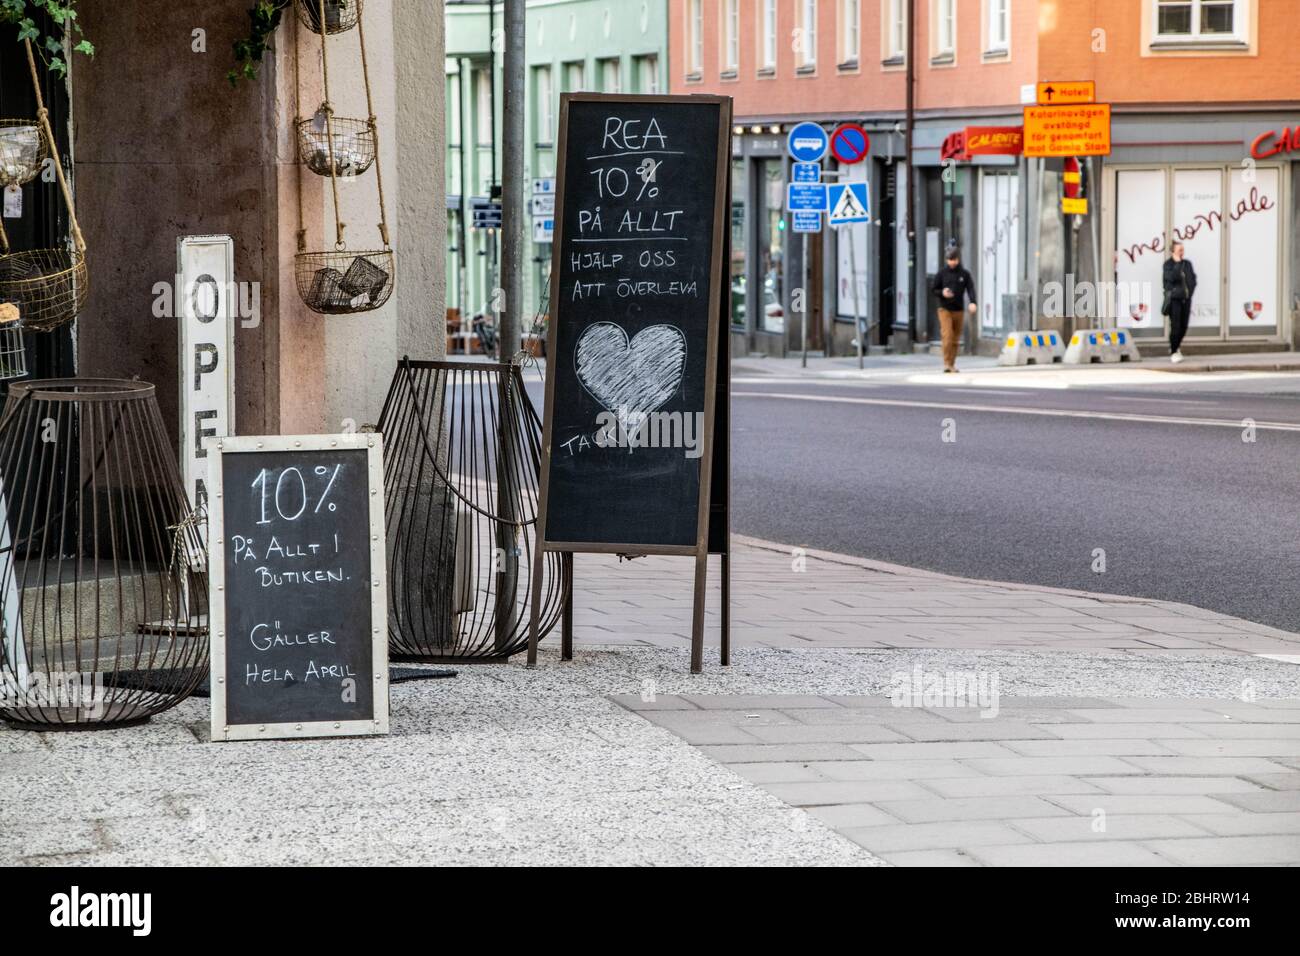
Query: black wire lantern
{"x": 103, "y": 581}
{"x": 462, "y": 465}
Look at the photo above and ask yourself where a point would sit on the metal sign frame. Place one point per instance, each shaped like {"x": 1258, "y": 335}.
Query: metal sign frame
{"x": 371, "y": 443}
{"x": 719, "y": 286}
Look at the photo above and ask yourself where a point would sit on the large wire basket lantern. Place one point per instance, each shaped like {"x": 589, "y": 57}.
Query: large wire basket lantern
{"x": 22, "y": 151}
{"x": 345, "y": 283}
{"x": 337, "y": 16}
{"x": 343, "y": 144}
{"x": 103, "y": 587}
{"x": 462, "y": 461}
{"x": 49, "y": 286}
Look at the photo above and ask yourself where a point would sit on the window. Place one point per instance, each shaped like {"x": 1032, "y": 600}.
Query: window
{"x": 896, "y": 29}
{"x": 575, "y": 77}
{"x": 1200, "y": 20}
{"x": 945, "y": 28}
{"x": 850, "y": 30}
{"x": 695, "y": 37}
{"x": 767, "y": 36}
{"x": 647, "y": 73}
{"x": 730, "y": 36}
{"x": 453, "y": 109}
{"x": 806, "y": 37}
{"x": 483, "y": 107}
{"x": 543, "y": 110}
{"x": 611, "y": 75}
{"x": 999, "y": 26}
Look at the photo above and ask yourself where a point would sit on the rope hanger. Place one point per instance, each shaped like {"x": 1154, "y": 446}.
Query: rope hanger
{"x": 327, "y": 108}
{"x": 43, "y": 117}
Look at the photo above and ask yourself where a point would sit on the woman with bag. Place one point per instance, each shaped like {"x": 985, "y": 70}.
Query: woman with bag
{"x": 1179, "y": 283}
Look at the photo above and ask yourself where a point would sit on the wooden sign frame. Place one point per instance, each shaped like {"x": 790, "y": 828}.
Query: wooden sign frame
{"x": 373, "y": 445}
{"x": 720, "y": 324}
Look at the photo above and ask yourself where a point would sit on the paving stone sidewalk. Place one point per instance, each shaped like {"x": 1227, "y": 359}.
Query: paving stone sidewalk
{"x": 787, "y": 597}
{"x": 1048, "y": 781}
{"x": 1131, "y": 707}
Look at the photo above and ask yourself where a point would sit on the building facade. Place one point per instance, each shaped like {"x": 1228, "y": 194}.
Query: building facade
{"x": 1203, "y": 93}
{"x": 609, "y": 46}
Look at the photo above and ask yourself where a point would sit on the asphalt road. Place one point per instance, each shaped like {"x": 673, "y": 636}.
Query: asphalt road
{"x": 1035, "y": 481}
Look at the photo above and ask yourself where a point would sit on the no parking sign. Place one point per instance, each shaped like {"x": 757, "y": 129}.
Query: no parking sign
{"x": 850, "y": 143}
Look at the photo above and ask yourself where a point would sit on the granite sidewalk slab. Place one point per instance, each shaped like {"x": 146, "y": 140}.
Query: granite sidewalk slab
{"x": 1046, "y": 781}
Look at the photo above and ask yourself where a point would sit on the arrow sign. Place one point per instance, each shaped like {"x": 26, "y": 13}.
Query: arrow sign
{"x": 849, "y": 202}
{"x": 1067, "y": 94}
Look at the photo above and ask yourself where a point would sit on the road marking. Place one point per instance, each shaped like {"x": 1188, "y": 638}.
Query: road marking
{"x": 1169, "y": 401}
{"x": 1012, "y": 410}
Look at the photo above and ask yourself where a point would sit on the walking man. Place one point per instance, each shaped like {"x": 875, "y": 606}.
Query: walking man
{"x": 1180, "y": 283}
{"x": 953, "y": 285}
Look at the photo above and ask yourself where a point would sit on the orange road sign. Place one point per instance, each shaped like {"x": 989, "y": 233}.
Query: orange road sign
{"x": 1068, "y": 130}
{"x": 1067, "y": 94}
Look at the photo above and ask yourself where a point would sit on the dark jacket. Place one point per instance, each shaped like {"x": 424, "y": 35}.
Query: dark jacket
{"x": 959, "y": 282}
{"x": 1179, "y": 279}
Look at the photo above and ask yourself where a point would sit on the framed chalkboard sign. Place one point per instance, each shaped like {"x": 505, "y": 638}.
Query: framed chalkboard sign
{"x": 298, "y": 597}
{"x": 637, "y": 308}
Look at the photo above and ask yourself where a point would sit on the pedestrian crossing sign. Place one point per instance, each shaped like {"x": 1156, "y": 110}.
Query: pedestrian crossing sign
{"x": 848, "y": 202}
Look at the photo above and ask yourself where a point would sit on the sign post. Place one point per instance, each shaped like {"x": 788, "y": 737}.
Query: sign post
{"x": 631, "y": 462}
{"x": 205, "y": 277}
{"x": 298, "y": 591}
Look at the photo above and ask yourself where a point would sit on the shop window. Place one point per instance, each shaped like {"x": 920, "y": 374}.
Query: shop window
{"x": 998, "y": 266}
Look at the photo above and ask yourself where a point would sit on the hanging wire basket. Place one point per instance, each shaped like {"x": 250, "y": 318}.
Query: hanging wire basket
{"x": 345, "y": 283}
{"x": 462, "y": 466}
{"x": 339, "y": 16}
{"x": 13, "y": 355}
{"x": 23, "y": 152}
{"x": 352, "y": 142}
{"x": 48, "y": 285}
{"x": 103, "y": 593}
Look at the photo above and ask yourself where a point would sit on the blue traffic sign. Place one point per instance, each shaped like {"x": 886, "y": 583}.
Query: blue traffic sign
{"x": 807, "y": 221}
{"x": 848, "y": 202}
{"x": 805, "y": 197}
{"x": 807, "y": 173}
{"x": 807, "y": 143}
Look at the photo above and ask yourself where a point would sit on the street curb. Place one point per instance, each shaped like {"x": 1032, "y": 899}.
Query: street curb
{"x": 900, "y": 570}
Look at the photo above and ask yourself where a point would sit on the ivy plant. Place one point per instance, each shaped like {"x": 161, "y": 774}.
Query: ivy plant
{"x": 53, "y": 48}
{"x": 264, "y": 18}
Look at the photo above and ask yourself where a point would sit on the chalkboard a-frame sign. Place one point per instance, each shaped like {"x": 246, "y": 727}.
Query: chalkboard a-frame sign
{"x": 637, "y": 340}
{"x": 298, "y": 592}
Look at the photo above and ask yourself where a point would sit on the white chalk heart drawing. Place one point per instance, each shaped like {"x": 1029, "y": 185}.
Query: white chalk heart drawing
{"x": 634, "y": 378}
